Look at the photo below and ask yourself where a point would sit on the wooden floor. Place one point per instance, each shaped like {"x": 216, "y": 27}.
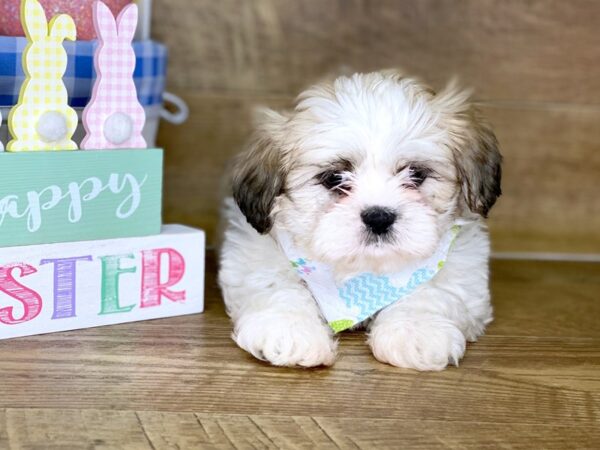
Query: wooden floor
{"x": 532, "y": 382}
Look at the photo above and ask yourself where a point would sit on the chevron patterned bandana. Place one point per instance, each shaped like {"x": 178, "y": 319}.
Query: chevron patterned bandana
{"x": 350, "y": 302}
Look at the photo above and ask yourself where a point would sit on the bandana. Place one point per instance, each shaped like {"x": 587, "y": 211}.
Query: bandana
{"x": 347, "y": 303}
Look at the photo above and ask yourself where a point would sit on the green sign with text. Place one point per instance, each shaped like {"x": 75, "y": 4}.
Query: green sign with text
{"x": 61, "y": 196}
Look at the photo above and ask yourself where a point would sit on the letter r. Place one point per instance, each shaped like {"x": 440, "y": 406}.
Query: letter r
{"x": 152, "y": 289}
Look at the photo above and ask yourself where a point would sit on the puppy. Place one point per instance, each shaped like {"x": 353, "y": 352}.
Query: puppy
{"x": 365, "y": 174}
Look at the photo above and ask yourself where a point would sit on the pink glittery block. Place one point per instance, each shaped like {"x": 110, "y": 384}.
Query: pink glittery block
{"x": 79, "y": 10}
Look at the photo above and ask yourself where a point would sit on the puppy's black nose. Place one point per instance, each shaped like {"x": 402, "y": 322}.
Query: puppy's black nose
{"x": 378, "y": 220}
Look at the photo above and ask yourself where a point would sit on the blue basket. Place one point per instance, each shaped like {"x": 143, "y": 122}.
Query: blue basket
{"x": 149, "y": 76}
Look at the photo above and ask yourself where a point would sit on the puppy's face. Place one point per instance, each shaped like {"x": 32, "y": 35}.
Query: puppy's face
{"x": 367, "y": 173}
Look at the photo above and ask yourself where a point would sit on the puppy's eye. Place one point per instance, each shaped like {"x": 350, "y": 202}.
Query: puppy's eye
{"x": 418, "y": 175}
{"x": 337, "y": 177}
{"x": 331, "y": 179}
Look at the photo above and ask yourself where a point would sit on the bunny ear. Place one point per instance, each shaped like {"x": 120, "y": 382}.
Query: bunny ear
{"x": 63, "y": 27}
{"x": 34, "y": 20}
{"x": 104, "y": 21}
{"x": 127, "y": 21}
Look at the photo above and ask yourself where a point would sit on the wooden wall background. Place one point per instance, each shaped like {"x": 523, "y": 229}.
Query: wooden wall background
{"x": 534, "y": 64}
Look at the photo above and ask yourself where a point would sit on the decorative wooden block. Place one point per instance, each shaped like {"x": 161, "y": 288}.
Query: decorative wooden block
{"x": 42, "y": 119}
{"x": 68, "y": 286}
{"x": 48, "y": 197}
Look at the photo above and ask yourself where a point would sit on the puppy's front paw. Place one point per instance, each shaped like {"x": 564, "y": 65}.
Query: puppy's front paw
{"x": 285, "y": 340}
{"x": 420, "y": 343}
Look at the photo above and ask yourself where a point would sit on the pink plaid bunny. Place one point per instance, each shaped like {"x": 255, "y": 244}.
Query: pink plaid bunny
{"x": 114, "y": 117}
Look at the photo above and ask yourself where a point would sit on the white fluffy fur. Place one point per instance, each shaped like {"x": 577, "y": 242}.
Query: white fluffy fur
{"x": 381, "y": 123}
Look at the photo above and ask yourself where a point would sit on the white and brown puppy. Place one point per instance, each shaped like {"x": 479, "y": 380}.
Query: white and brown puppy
{"x": 365, "y": 174}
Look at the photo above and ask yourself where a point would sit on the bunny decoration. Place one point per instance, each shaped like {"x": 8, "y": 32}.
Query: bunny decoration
{"x": 114, "y": 118}
{"x": 42, "y": 118}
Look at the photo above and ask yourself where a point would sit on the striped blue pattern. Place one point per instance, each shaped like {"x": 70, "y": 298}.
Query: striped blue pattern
{"x": 370, "y": 293}
{"x": 149, "y": 76}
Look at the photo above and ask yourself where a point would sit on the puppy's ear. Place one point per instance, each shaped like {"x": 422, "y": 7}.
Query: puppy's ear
{"x": 258, "y": 173}
{"x": 475, "y": 149}
{"x": 479, "y": 164}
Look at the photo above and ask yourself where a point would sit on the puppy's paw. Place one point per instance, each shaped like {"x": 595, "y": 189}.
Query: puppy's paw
{"x": 286, "y": 340}
{"x": 419, "y": 343}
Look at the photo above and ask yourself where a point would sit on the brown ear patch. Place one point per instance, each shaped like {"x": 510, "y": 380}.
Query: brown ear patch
{"x": 258, "y": 179}
{"x": 479, "y": 165}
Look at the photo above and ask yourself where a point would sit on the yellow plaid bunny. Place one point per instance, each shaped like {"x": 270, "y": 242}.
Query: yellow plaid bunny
{"x": 42, "y": 118}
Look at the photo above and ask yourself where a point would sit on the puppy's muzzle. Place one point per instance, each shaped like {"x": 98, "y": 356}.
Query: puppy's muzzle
{"x": 378, "y": 220}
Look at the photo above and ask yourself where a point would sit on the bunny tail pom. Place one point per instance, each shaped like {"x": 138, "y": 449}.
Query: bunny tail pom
{"x": 118, "y": 128}
{"x": 52, "y": 126}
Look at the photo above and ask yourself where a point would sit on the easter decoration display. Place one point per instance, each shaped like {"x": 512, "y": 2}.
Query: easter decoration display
{"x": 42, "y": 118}
{"x": 81, "y": 237}
{"x": 114, "y": 118}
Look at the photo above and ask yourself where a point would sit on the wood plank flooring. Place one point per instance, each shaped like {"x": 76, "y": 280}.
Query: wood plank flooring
{"x": 532, "y": 382}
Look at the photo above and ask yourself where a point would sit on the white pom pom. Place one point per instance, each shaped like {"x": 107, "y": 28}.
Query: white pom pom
{"x": 52, "y": 126}
{"x": 118, "y": 128}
